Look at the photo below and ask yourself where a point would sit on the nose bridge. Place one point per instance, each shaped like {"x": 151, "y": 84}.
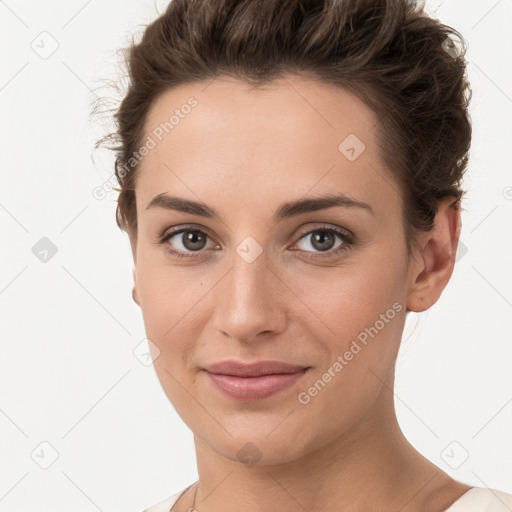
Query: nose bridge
{"x": 246, "y": 300}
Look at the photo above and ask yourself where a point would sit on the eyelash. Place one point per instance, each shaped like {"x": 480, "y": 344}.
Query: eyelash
{"x": 347, "y": 239}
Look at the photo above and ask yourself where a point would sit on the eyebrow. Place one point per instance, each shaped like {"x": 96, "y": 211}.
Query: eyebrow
{"x": 286, "y": 210}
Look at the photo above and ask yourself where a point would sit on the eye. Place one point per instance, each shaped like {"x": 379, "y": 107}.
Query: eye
{"x": 323, "y": 240}
{"x": 186, "y": 240}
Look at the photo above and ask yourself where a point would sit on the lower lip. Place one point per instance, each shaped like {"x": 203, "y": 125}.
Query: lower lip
{"x": 254, "y": 388}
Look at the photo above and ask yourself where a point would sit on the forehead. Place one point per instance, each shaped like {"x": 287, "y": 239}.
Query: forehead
{"x": 296, "y": 107}
{"x": 293, "y": 134}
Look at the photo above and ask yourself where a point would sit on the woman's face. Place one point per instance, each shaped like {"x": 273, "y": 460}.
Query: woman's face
{"x": 320, "y": 286}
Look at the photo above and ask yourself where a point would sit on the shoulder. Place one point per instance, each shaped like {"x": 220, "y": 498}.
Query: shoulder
{"x": 482, "y": 499}
{"x": 166, "y": 505}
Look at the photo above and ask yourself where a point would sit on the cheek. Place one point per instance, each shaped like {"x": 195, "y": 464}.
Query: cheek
{"x": 364, "y": 309}
{"x": 171, "y": 306}
{"x": 367, "y": 319}
{"x": 353, "y": 298}
{"x": 171, "y": 303}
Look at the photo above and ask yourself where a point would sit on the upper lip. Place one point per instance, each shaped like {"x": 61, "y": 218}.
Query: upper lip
{"x": 256, "y": 369}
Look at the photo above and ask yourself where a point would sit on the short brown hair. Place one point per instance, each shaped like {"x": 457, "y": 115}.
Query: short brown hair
{"x": 407, "y": 66}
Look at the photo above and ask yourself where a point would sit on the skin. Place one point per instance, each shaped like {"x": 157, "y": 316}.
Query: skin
{"x": 245, "y": 152}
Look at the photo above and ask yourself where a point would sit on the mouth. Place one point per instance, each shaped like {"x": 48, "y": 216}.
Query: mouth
{"x": 254, "y": 381}
{"x": 256, "y": 369}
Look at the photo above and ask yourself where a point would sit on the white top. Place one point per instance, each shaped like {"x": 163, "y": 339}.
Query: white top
{"x": 477, "y": 499}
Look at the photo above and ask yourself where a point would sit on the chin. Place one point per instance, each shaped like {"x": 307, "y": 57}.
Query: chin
{"x": 258, "y": 445}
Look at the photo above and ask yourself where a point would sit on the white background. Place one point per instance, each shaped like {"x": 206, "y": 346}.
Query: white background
{"x": 69, "y": 326}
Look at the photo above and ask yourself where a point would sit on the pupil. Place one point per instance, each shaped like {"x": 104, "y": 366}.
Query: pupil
{"x": 321, "y": 237}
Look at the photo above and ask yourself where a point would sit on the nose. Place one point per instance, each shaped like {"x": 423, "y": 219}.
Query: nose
{"x": 250, "y": 301}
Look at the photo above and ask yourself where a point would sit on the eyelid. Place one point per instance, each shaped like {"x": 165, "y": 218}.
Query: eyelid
{"x": 184, "y": 227}
{"x": 329, "y": 227}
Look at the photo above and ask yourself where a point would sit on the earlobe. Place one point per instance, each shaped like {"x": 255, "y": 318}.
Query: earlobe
{"x": 134, "y": 290}
{"x": 134, "y": 296}
{"x": 435, "y": 258}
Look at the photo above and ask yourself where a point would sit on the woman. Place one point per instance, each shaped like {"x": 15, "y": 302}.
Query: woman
{"x": 290, "y": 181}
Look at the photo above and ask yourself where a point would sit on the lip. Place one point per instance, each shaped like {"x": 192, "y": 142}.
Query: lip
{"x": 254, "y": 381}
{"x": 257, "y": 369}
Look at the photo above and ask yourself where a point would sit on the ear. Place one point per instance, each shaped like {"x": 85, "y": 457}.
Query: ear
{"x": 134, "y": 289}
{"x": 434, "y": 257}
{"x": 132, "y": 236}
{"x": 133, "y": 244}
